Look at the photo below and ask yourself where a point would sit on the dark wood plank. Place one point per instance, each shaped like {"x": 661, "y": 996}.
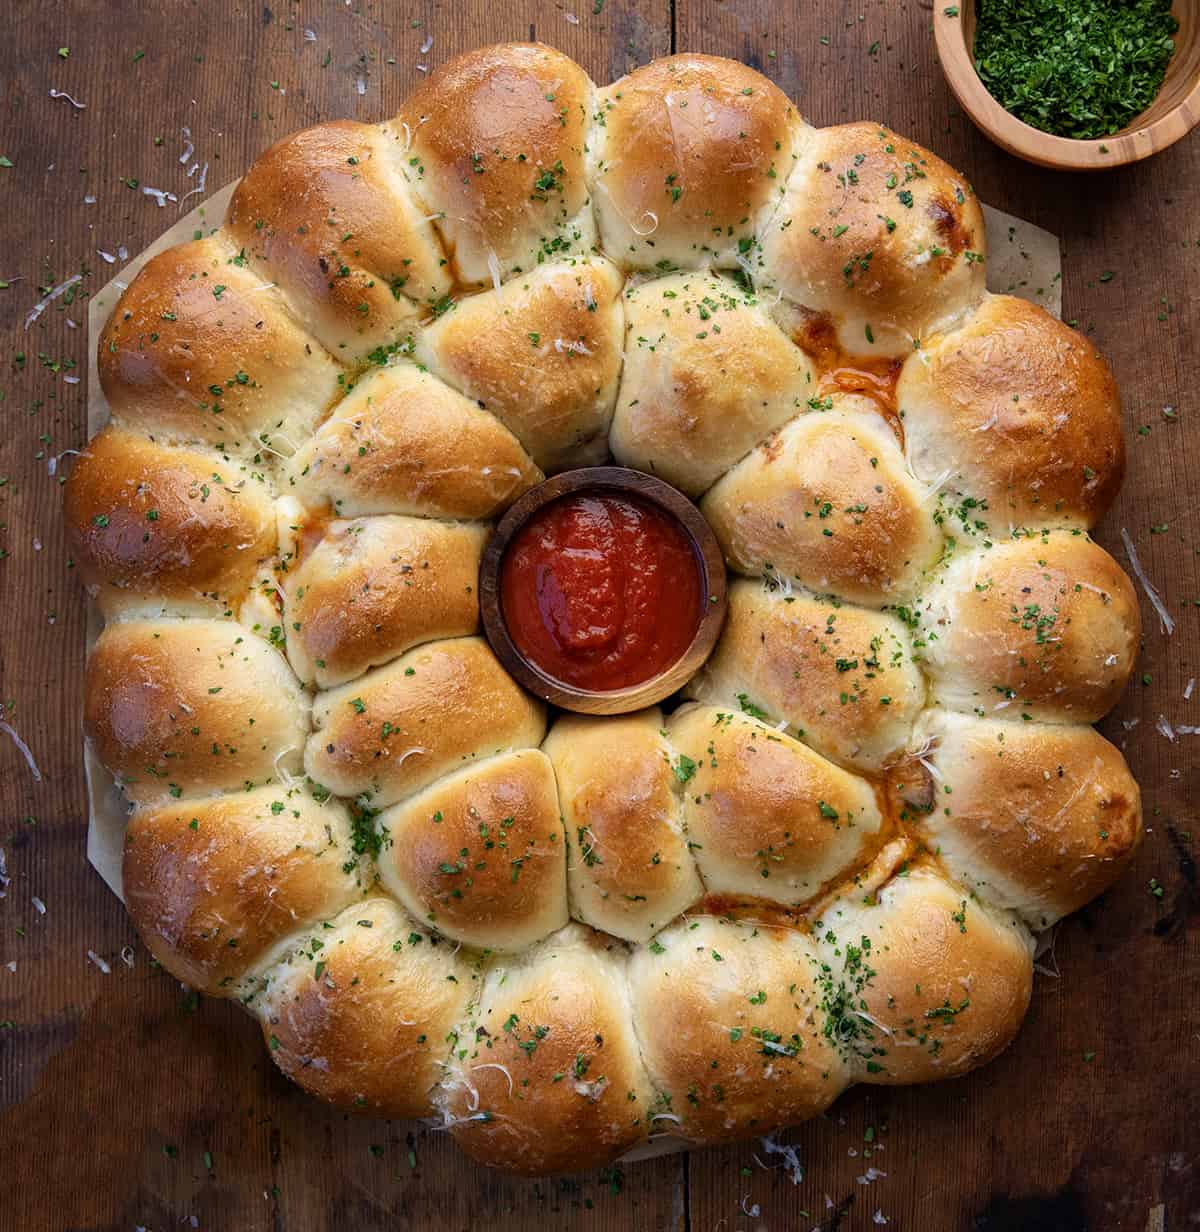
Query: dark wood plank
{"x": 116, "y": 1085}
{"x": 1042, "y": 1138}
{"x": 101, "y": 1074}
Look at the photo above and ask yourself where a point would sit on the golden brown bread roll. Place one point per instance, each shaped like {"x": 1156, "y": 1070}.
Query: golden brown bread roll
{"x": 359, "y": 1011}
{"x": 1033, "y": 817}
{"x": 184, "y": 707}
{"x": 494, "y": 147}
{"x": 827, "y": 502}
{"x": 745, "y": 1002}
{"x": 202, "y": 349}
{"x": 619, "y": 783}
{"x": 402, "y": 726}
{"x": 821, "y": 870}
{"x": 543, "y": 354}
{"x": 546, "y": 1073}
{"x": 841, "y": 679}
{"x": 1018, "y": 411}
{"x": 1041, "y": 627}
{"x": 154, "y": 528}
{"x": 402, "y": 442}
{"x": 479, "y": 855}
{"x": 373, "y": 588}
{"x": 920, "y": 981}
{"x": 214, "y": 883}
{"x": 326, "y": 214}
{"x": 767, "y": 817}
{"x": 689, "y": 156}
{"x": 707, "y": 376}
{"x": 877, "y": 235}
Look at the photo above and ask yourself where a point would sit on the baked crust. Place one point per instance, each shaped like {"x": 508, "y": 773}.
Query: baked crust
{"x": 327, "y": 215}
{"x": 202, "y": 349}
{"x": 479, "y": 855}
{"x": 708, "y": 375}
{"x": 372, "y": 588}
{"x": 629, "y": 864}
{"x": 494, "y": 146}
{"x": 213, "y": 884}
{"x": 542, "y": 354}
{"x": 690, "y": 154}
{"x": 827, "y": 502}
{"x": 1046, "y": 626}
{"x": 1018, "y": 411}
{"x": 878, "y": 234}
{"x": 156, "y": 528}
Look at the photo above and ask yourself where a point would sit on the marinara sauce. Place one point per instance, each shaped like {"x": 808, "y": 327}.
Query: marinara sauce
{"x": 601, "y": 590}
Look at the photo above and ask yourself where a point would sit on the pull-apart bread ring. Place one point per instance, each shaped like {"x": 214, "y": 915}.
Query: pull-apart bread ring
{"x": 826, "y": 861}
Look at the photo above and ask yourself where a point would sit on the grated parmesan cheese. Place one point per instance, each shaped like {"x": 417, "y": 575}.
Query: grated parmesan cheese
{"x": 200, "y": 184}
{"x": 1164, "y": 617}
{"x": 42, "y": 304}
{"x": 160, "y": 195}
{"x": 791, "y": 1158}
{"x": 63, "y": 94}
{"x": 9, "y": 731}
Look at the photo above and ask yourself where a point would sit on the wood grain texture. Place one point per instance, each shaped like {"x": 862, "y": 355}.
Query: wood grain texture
{"x": 114, "y": 1086}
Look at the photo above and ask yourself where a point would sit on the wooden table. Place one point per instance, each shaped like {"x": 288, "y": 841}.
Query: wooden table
{"x": 128, "y": 1104}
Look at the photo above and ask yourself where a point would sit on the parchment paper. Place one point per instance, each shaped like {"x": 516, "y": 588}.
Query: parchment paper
{"x": 1023, "y": 260}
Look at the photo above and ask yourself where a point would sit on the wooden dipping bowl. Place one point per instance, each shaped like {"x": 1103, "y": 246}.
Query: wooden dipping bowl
{"x": 1173, "y": 114}
{"x": 618, "y": 480}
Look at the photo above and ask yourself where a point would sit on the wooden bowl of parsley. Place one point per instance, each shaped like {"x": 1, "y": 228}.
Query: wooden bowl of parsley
{"x": 1078, "y": 85}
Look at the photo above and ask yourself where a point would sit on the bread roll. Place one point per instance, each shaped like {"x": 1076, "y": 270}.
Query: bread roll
{"x": 402, "y": 726}
{"x": 326, "y": 214}
{"x": 543, "y": 354}
{"x": 154, "y": 529}
{"x": 767, "y": 817}
{"x": 183, "y": 707}
{"x": 877, "y": 235}
{"x": 827, "y": 502}
{"x": 202, "y": 349}
{"x": 373, "y": 588}
{"x": 921, "y": 982}
{"x": 619, "y": 782}
{"x": 707, "y": 376}
{"x": 546, "y": 1073}
{"x": 494, "y": 147}
{"x": 402, "y": 442}
{"x": 359, "y": 1010}
{"x": 479, "y": 855}
{"x": 212, "y": 884}
{"x": 1031, "y": 817}
{"x": 689, "y": 158}
{"x": 731, "y": 1021}
{"x": 841, "y": 679}
{"x": 1043, "y": 627}
{"x": 1018, "y": 411}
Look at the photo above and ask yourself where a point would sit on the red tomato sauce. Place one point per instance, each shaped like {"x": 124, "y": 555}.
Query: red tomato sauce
{"x": 601, "y": 590}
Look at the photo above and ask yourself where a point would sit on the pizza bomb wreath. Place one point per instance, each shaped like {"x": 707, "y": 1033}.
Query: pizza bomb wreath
{"x": 562, "y": 935}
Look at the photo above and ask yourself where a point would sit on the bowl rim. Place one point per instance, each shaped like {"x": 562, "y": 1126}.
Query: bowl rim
{"x": 1131, "y": 144}
{"x": 631, "y": 483}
